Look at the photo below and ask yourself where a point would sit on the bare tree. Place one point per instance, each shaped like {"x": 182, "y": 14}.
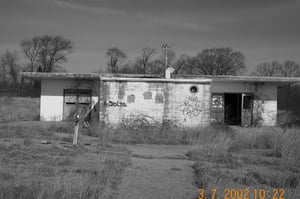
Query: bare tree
{"x": 115, "y": 57}
{"x": 144, "y": 59}
{"x": 289, "y": 69}
{"x": 31, "y": 49}
{"x": 219, "y": 61}
{"x": 10, "y": 69}
{"x": 46, "y": 53}
{"x": 158, "y": 66}
{"x": 171, "y": 56}
{"x": 182, "y": 65}
{"x": 132, "y": 67}
{"x": 268, "y": 69}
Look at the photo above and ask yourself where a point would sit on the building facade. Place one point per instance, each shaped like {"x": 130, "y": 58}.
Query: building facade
{"x": 187, "y": 102}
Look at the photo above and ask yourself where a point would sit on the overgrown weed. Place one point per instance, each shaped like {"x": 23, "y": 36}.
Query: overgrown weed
{"x": 58, "y": 173}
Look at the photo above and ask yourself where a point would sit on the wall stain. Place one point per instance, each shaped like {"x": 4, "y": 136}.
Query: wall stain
{"x": 121, "y": 92}
{"x": 131, "y": 98}
{"x": 159, "y": 98}
{"x": 148, "y": 95}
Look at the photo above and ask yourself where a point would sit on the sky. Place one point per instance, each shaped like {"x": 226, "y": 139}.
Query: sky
{"x": 263, "y": 30}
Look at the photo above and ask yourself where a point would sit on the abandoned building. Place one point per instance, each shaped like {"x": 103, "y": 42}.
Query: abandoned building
{"x": 188, "y": 102}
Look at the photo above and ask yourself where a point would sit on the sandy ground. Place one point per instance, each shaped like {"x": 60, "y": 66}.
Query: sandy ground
{"x": 158, "y": 172}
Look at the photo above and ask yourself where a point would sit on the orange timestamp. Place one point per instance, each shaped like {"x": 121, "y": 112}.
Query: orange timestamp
{"x": 244, "y": 193}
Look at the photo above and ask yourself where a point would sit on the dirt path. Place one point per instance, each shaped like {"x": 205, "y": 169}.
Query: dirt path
{"x": 158, "y": 172}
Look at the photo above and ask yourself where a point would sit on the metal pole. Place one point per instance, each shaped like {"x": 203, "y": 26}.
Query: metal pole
{"x": 165, "y": 48}
{"x": 75, "y": 138}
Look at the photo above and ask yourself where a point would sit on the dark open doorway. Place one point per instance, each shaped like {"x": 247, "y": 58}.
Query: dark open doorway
{"x": 233, "y": 108}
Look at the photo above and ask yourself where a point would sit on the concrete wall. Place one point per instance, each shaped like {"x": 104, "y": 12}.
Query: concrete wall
{"x": 130, "y": 103}
{"x": 52, "y": 96}
{"x": 264, "y": 102}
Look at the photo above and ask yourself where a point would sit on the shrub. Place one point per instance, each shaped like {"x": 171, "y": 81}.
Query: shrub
{"x": 157, "y": 135}
{"x": 287, "y": 147}
{"x": 255, "y": 138}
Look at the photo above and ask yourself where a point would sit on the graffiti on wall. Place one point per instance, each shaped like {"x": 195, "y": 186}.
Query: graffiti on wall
{"x": 217, "y": 101}
{"x": 112, "y": 103}
{"x": 192, "y": 106}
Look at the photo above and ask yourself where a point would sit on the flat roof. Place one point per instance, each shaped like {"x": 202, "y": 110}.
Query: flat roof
{"x": 39, "y": 76}
{"x": 171, "y": 80}
{"x": 227, "y": 78}
{"x": 111, "y": 77}
{"x": 157, "y": 78}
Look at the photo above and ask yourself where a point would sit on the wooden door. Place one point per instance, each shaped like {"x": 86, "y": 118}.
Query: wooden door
{"x": 84, "y": 104}
{"x": 247, "y": 109}
{"x": 77, "y": 102}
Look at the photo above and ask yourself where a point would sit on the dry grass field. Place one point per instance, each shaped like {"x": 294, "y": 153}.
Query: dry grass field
{"x": 221, "y": 157}
{"x": 19, "y": 109}
{"x": 30, "y": 169}
{"x": 229, "y": 157}
{"x": 249, "y": 158}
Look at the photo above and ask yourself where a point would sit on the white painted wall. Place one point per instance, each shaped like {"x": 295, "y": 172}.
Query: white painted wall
{"x": 52, "y": 99}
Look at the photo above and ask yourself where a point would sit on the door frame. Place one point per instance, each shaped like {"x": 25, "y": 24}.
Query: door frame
{"x": 243, "y": 94}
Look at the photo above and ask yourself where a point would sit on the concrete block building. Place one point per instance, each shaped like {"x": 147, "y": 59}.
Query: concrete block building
{"x": 187, "y": 102}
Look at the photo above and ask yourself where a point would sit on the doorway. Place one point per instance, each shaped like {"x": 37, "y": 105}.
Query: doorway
{"x": 233, "y": 108}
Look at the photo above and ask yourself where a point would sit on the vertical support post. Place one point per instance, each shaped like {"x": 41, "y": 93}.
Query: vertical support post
{"x": 75, "y": 138}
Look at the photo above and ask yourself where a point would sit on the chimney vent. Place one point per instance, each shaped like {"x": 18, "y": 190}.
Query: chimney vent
{"x": 168, "y": 72}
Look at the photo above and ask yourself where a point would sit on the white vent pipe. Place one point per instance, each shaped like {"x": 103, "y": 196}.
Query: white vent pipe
{"x": 168, "y": 72}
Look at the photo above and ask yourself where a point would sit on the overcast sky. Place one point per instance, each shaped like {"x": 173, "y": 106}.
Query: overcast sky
{"x": 263, "y": 30}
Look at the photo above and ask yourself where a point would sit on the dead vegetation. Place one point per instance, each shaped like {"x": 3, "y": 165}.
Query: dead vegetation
{"x": 19, "y": 109}
{"x": 29, "y": 169}
{"x": 225, "y": 157}
{"x": 252, "y": 158}
{"x": 143, "y": 132}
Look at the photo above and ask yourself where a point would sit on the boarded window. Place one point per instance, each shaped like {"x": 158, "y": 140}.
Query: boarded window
{"x": 84, "y": 97}
{"x": 70, "y": 96}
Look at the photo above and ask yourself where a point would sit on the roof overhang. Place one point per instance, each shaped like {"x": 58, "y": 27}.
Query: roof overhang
{"x": 110, "y": 77}
{"x": 247, "y": 79}
{"x": 40, "y": 76}
{"x": 159, "y": 78}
